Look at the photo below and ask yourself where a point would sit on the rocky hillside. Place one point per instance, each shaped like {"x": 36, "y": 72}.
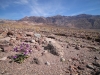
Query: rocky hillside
{"x": 79, "y": 21}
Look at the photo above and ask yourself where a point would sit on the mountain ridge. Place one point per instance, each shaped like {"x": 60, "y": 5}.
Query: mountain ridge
{"x": 84, "y": 21}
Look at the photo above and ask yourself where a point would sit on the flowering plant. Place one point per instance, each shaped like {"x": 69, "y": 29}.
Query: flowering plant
{"x": 24, "y": 51}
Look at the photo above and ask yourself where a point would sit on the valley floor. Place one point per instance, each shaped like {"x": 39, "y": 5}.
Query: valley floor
{"x": 55, "y": 50}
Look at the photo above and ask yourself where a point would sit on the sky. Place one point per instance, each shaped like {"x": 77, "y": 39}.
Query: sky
{"x": 17, "y": 9}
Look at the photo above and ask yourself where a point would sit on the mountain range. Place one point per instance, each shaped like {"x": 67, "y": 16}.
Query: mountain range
{"x": 78, "y": 21}
{"x": 84, "y": 21}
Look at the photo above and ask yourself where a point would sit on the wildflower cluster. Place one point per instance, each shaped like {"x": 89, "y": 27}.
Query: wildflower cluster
{"x": 24, "y": 50}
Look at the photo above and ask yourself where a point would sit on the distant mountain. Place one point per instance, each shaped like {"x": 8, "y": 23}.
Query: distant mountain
{"x": 78, "y": 21}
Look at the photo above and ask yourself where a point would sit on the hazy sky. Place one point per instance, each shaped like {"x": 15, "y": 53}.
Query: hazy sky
{"x": 16, "y": 9}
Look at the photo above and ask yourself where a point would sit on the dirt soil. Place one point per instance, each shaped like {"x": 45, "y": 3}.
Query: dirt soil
{"x": 58, "y": 51}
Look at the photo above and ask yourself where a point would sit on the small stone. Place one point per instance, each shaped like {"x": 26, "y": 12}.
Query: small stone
{"x": 35, "y": 60}
{"x": 69, "y": 60}
{"x": 1, "y": 49}
{"x": 67, "y": 46}
{"x": 29, "y": 33}
{"x": 32, "y": 41}
{"x": 37, "y": 35}
{"x": 44, "y": 52}
{"x": 10, "y": 33}
{"x": 62, "y": 59}
{"x": 97, "y": 63}
{"x": 13, "y": 39}
{"x": 47, "y": 63}
{"x": 61, "y": 53}
{"x": 96, "y": 58}
{"x": 2, "y": 59}
{"x": 90, "y": 66}
{"x": 77, "y": 47}
{"x": 80, "y": 68}
{"x": 37, "y": 47}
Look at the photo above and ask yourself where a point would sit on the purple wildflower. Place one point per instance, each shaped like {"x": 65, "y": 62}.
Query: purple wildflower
{"x": 25, "y": 53}
{"x": 16, "y": 49}
{"x": 30, "y": 51}
{"x": 14, "y": 57}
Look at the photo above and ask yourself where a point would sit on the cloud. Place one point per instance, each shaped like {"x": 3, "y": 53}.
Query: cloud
{"x": 6, "y": 3}
{"x": 21, "y": 2}
{"x": 46, "y": 9}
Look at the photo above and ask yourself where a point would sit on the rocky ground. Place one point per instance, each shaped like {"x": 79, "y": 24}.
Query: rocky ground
{"x": 55, "y": 51}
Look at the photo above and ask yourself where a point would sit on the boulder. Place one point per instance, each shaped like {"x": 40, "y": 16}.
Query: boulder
{"x": 53, "y": 47}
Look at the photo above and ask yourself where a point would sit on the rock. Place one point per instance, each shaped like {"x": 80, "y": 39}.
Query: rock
{"x": 7, "y": 39}
{"x": 7, "y": 48}
{"x": 91, "y": 48}
{"x": 18, "y": 36}
{"x": 36, "y": 46}
{"x": 69, "y": 60}
{"x": 53, "y": 47}
{"x": 44, "y": 52}
{"x": 37, "y": 35}
{"x": 2, "y": 59}
{"x": 77, "y": 47}
{"x": 67, "y": 46}
{"x": 35, "y": 60}
{"x": 97, "y": 63}
{"x": 32, "y": 41}
{"x": 40, "y": 41}
{"x": 82, "y": 46}
{"x": 47, "y": 63}
{"x": 28, "y": 40}
{"x": 52, "y": 36}
{"x": 62, "y": 59}
{"x": 4, "y": 45}
{"x": 11, "y": 42}
{"x": 97, "y": 39}
{"x": 14, "y": 39}
{"x": 1, "y": 37}
{"x": 90, "y": 66}
{"x": 97, "y": 73}
{"x": 1, "y": 49}
{"x": 29, "y": 33}
{"x": 10, "y": 33}
{"x": 61, "y": 53}
{"x": 96, "y": 58}
{"x": 80, "y": 67}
